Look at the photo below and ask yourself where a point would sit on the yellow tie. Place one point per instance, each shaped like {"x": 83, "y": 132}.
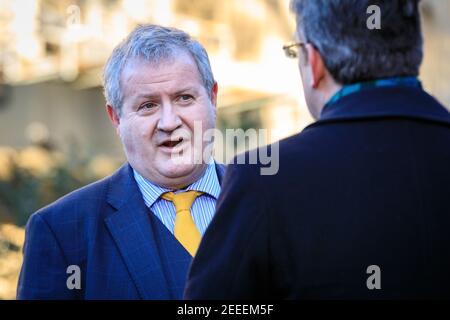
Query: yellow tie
{"x": 185, "y": 229}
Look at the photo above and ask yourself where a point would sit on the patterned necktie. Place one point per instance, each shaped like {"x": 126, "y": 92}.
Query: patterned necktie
{"x": 185, "y": 229}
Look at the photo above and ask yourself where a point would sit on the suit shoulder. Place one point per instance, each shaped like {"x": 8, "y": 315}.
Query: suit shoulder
{"x": 76, "y": 204}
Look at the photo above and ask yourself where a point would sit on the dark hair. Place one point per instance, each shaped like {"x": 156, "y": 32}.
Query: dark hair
{"x": 351, "y": 51}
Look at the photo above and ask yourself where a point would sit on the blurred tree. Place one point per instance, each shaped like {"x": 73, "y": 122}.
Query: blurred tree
{"x": 26, "y": 189}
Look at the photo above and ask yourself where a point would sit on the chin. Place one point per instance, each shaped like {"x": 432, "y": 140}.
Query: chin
{"x": 179, "y": 175}
{"x": 174, "y": 170}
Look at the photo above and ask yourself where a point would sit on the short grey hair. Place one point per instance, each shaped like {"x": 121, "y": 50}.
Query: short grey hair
{"x": 154, "y": 44}
{"x": 353, "y": 53}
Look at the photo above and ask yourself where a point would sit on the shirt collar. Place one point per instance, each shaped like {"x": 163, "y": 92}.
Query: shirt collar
{"x": 208, "y": 183}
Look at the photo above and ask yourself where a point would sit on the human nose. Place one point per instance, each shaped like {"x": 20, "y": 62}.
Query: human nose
{"x": 169, "y": 120}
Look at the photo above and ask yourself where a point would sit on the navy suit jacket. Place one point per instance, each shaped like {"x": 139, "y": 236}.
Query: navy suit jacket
{"x": 122, "y": 250}
{"x": 366, "y": 185}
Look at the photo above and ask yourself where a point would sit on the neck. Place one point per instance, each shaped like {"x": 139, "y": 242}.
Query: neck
{"x": 325, "y": 93}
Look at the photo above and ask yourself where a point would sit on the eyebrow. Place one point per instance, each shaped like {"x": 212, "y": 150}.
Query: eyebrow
{"x": 180, "y": 91}
{"x": 187, "y": 89}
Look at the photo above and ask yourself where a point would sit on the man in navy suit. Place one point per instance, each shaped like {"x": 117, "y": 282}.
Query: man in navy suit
{"x": 360, "y": 205}
{"x": 132, "y": 235}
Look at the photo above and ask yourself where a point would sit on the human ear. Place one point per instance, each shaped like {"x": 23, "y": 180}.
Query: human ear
{"x": 113, "y": 117}
{"x": 316, "y": 65}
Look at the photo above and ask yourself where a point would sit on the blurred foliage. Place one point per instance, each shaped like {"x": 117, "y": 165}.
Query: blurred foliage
{"x": 34, "y": 177}
{"x": 11, "y": 244}
{"x": 30, "y": 179}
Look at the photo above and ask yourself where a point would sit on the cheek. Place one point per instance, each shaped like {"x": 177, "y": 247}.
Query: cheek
{"x": 136, "y": 134}
{"x": 126, "y": 138}
{"x": 202, "y": 122}
{"x": 213, "y": 111}
{"x": 207, "y": 115}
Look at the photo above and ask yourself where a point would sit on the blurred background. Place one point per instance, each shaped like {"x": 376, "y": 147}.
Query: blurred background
{"x": 54, "y": 133}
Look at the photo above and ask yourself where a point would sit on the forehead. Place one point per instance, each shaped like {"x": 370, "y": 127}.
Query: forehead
{"x": 178, "y": 68}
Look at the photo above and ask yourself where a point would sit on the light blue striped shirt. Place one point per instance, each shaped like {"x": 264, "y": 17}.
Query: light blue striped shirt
{"x": 202, "y": 209}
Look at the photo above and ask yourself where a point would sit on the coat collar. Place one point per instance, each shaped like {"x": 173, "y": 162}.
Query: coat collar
{"x": 400, "y": 101}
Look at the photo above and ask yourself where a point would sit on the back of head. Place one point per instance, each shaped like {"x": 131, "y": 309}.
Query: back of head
{"x": 352, "y": 52}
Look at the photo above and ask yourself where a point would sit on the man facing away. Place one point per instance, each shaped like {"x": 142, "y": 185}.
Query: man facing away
{"x": 132, "y": 235}
{"x": 360, "y": 205}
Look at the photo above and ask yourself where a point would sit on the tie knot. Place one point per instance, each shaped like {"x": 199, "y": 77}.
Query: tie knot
{"x": 183, "y": 200}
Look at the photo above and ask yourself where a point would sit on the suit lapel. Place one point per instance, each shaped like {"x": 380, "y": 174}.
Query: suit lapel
{"x": 152, "y": 255}
{"x": 131, "y": 228}
{"x": 220, "y": 171}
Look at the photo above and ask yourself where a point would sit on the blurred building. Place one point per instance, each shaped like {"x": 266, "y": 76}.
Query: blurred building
{"x": 51, "y": 58}
{"x": 435, "y": 72}
{"x": 52, "y": 54}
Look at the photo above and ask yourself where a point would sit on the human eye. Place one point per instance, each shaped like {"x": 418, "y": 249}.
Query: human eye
{"x": 185, "y": 98}
{"x": 147, "y": 106}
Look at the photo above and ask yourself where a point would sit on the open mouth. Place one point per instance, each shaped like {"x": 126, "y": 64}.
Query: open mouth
{"x": 172, "y": 143}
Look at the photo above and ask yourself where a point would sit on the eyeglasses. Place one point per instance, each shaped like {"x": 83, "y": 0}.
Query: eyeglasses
{"x": 291, "y": 49}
